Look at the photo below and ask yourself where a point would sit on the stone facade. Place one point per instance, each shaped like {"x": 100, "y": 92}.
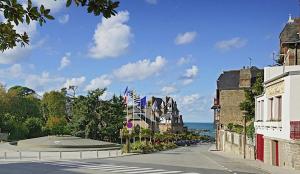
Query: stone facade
{"x": 230, "y": 106}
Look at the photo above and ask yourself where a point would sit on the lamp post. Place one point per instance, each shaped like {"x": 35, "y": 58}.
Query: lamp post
{"x": 245, "y": 133}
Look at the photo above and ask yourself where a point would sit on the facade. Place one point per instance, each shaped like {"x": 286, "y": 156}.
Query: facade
{"x": 277, "y": 119}
{"x": 289, "y": 43}
{"x": 229, "y": 94}
{"x": 163, "y": 117}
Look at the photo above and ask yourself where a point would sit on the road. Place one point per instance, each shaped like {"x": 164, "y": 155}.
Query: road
{"x": 185, "y": 160}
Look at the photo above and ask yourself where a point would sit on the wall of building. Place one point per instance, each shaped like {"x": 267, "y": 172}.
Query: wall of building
{"x": 230, "y": 106}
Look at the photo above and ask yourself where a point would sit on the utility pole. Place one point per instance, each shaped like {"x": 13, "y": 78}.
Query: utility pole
{"x": 245, "y": 133}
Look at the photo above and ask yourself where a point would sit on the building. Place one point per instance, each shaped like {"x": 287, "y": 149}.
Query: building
{"x": 277, "y": 119}
{"x": 289, "y": 43}
{"x": 230, "y": 93}
{"x": 277, "y": 116}
{"x": 162, "y": 117}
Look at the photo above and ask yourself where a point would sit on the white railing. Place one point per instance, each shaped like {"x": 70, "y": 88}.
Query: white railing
{"x": 58, "y": 155}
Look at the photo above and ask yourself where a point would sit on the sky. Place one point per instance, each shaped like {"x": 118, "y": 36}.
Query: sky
{"x": 156, "y": 47}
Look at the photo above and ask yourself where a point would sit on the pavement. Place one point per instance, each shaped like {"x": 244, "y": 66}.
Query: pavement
{"x": 184, "y": 160}
{"x": 255, "y": 163}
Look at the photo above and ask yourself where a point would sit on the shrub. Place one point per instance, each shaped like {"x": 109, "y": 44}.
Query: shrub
{"x": 34, "y": 126}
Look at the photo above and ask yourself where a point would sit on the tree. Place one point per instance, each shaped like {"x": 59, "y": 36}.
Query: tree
{"x": 96, "y": 118}
{"x": 34, "y": 126}
{"x": 16, "y": 12}
{"x": 249, "y": 103}
{"x": 21, "y": 91}
{"x": 54, "y": 104}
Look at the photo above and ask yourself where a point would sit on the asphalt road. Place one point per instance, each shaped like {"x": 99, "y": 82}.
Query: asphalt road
{"x": 186, "y": 160}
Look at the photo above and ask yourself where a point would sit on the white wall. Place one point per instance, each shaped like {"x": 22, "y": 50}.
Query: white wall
{"x": 271, "y": 72}
{"x": 290, "y": 110}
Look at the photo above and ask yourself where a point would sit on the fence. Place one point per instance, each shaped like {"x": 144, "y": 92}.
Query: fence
{"x": 234, "y": 143}
{"x": 58, "y": 155}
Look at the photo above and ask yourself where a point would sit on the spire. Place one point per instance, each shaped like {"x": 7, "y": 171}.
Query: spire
{"x": 290, "y": 19}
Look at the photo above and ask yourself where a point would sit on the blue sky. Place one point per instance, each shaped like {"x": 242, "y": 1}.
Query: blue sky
{"x": 157, "y": 47}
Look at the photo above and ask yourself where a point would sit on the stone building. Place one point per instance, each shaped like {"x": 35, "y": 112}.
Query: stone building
{"x": 229, "y": 94}
{"x": 163, "y": 116}
{"x": 289, "y": 43}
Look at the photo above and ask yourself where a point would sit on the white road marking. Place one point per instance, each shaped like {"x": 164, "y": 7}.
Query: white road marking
{"x": 147, "y": 171}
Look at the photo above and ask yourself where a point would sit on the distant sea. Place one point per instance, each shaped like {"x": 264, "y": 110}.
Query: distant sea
{"x": 202, "y": 126}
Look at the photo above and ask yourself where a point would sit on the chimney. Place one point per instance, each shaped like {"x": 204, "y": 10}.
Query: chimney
{"x": 245, "y": 78}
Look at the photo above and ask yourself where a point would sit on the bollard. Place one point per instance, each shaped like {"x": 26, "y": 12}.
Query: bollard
{"x": 109, "y": 153}
{"x": 5, "y": 155}
{"x": 80, "y": 154}
{"x": 40, "y": 155}
{"x": 97, "y": 154}
{"x": 20, "y": 155}
{"x": 60, "y": 155}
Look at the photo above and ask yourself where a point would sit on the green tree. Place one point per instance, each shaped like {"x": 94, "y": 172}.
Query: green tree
{"x": 16, "y": 12}
{"x": 54, "y": 104}
{"x": 21, "y": 91}
{"x": 248, "y": 104}
{"x": 96, "y": 118}
{"x": 34, "y": 126}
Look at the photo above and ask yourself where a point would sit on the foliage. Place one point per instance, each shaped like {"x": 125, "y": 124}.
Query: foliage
{"x": 56, "y": 126}
{"x": 249, "y": 103}
{"x": 144, "y": 147}
{"x": 34, "y": 126}
{"x": 98, "y": 119}
{"x": 250, "y": 130}
{"x": 15, "y": 13}
{"x": 54, "y": 104}
{"x": 21, "y": 91}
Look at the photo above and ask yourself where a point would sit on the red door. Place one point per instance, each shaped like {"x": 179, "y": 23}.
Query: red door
{"x": 260, "y": 147}
{"x": 277, "y": 154}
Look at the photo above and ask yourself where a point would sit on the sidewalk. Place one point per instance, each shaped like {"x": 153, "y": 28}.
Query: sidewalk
{"x": 255, "y": 163}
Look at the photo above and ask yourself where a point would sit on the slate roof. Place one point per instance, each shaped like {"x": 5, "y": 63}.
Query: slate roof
{"x": 230, "y": 80}
{"x": 289, "y": 32}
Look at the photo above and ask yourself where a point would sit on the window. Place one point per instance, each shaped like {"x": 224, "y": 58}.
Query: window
{"x": 262, "y": 109}
{"x": 258, "y": 111}
{"x": 279, "y": 108}
{"x": 270, "y": 109}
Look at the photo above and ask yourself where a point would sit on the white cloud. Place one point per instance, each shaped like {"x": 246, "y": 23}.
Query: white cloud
{"x": 14, "y": 71}
{"x": 74, "y": 82}
{"x": 190, "y": 75}
{"x": 185, "y": 38}
{"x": 112, "y": 37}
{"x": 65, "y": 61}
{"x": 99, "y": 82}
{"x": 235, "y": 42}
{"x": 184, "y": 60}
{"x": 191, "y": 72}
{"x": 189, "y": 99}
{"x": 153, "y": 2}
{"x": 167, "y": 90}
{"x": 43, "y": 82}
{"x": 140, "y": 70}
{"x": 187, "y": 81}
{"x": 55, "y": 6}
{"x": 64, "y": 19}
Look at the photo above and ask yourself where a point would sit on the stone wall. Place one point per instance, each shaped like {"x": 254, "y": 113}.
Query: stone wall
{"x": 289, "y": 153}
{"x": 233, "y": 143}
{"x": 230, "y": 106}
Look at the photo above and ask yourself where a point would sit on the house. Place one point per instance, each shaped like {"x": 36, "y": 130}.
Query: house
{"x": 277, "y": 115}
{"x": 162, "y": 117}
{"x": 230, "y": 93}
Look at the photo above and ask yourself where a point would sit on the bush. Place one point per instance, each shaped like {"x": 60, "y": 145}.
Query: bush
{"x": 56, "y": 126}
{"x": 142, "y": 147}
{"x": 34, "y": 126}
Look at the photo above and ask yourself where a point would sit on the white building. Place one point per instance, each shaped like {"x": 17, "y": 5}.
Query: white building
{"x": 277, "y": 117}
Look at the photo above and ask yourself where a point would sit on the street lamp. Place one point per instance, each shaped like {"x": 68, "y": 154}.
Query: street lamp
{"x": 245, "y": 133}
